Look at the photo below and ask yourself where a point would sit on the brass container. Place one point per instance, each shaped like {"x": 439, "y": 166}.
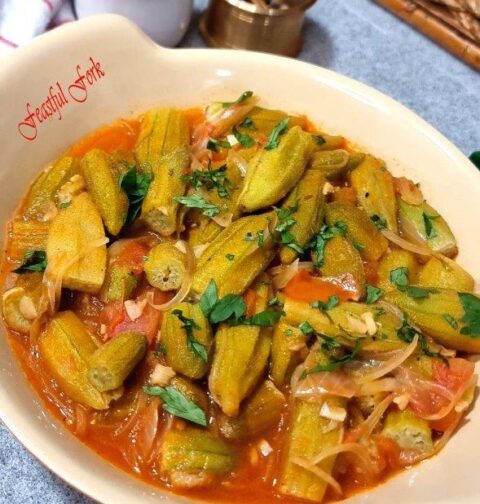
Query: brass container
{"x": 238, "y": 24}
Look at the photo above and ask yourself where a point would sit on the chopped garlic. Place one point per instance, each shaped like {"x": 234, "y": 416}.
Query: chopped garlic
{"x": 264, "y": 447}
{"x": 328, "y": 188}
{"x": 161, "y": 375}
{"x": 135, "y": 309}
{"x": 27, "y": 308}
{"x": 198, "y": 250}
{"x": 355, "y": 324}
{"x": 367, "y": 317}
{"x": 333, "y": 412}
{"x": 295, "y": 347}
{"x": 232, "y": 140}
{"x": 71, "y": 188}
{"x": 48, "y": 211}
{"x": 180, "y": 245}
{"x": 402, "y": 401}
{"x": 224, "y": 219}
{"x": 103, "y": 329}
{"x": 163, "y": 210}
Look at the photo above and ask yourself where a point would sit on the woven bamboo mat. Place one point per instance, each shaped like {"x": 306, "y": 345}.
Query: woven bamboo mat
{"x": 454, "y": 24}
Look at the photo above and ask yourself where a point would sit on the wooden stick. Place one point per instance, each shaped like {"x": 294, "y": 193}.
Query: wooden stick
{"x": 437, "y": 30}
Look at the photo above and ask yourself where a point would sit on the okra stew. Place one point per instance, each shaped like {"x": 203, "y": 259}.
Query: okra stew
{"x": 232, "y": 304}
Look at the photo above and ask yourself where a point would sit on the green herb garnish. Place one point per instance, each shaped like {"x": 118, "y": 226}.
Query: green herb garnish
{"x": 471, "y": 317}
{"x": 317, "y": 244}
{"x": 189, "y": 325}
{"x": 328, "y": 305}
{"x": 64, "y": 205}
{"x": 334, "y": 364}
{"x": 210, "y": 179}
{"x": 373, "y": 294}
{"x": 306, "y": 328}
{"x": 197, "y": 201}
{"x": 135, "y": 183}
{"x": 242, "y": 98}
{"x": 430, "y": 231}
{"x": 247, "y": 123}
{"x": 399, "y": 278}
{"x": 380, "y": 222}
{"x": 214, "y": 144}
{"x": 319, "y": 139}
{"x": 177, "y": 404}
{"x": 33, "y": 260}
{"x": 407, "y": 333}
{"x": 230, "y": 257}
{"x": 243, "y": 138}
{"x": 275, "y": 302}
{"x": 274, "y": 138}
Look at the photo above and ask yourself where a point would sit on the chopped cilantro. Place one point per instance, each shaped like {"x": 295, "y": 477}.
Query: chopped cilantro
{"x": 247, "y": 123}
{"x": 214, "y": 144}
{"x": 430, "y": 231}
{"x": 244, "y": 139}
{"x": 197, "y": 201}
{"x": 328, "y": 305}
{"x": 306, "y": 328}
{"x": 189, "y": 325}
{"x": 230, "y": 257}
{"x": 334, "y": 364}
{"x": 373, "y": 294}
{"x": 399, "y": 278}
{"x": 241, "y": 99}
{"x": 33, "y": 260}
{"x": 317, "y": 244}
{"x": 135, "y": 183}
{"x": 319, "y": 139}
{"x": 274, "y": 138}
{"x": 210, "y": 179}
{"x": 380, "y": 222}
{"x": 450, "y": 320}
{"x": 471, "y": 317}
{"x": 177, "y": 404}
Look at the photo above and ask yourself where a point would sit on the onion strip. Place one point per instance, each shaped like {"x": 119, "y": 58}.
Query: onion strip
{"x": 406, "y": 245}
{"x": 184, "y": 288}
{"x": 367, "y": 426}
{"x": 320, "y": 473}
{"x": 390, "y": 364}
{"x": 355, "y": 448}
{"x": 378, "y": 386}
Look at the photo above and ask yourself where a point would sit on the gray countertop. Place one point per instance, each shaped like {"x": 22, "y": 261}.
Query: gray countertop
{"x": 356, "y": 38}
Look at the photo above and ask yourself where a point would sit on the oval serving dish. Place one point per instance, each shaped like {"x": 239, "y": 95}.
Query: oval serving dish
{"x": 81, "y": 76}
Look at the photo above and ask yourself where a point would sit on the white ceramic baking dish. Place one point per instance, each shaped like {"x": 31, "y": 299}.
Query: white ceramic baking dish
{"x": 104, "y": 68}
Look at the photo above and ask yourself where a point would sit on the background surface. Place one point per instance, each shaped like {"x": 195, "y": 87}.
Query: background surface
{"x": 356, "y": 38}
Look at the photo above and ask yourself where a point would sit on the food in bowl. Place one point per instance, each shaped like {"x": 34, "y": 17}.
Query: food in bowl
{"x": 231, "y": 304}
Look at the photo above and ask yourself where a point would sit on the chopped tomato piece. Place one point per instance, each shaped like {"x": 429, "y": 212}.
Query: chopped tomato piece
{"x": 455, "y": 374}
{"x": 346, "y": 195}
{"x": 115, "y": 317}
{"x": 194, "y": 116}
{"x": 446, "y": 422}
{"x": 305, "y": 287}
{"x": 131, "y": 257}
{"x": 250, "y": 298}
{"x": 388, "y": 453}
{"x": 121, "y": 135}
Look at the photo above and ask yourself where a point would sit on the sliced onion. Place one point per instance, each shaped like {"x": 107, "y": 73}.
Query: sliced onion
{"x": 317, "y": 385}
{"x": 389, "y": 365}
{"x": 378, "y": 386}
{"x": 198, "y": 250}
{"x": 391, "y": 308}
{"x": 224, "y": 220}
{"x": 230, "y": 116}
{"x": 408, "y": 191}
{"x": 320, "y": 473}
{"x": 356, "y": 448}
{"x": 367, "y": 426}
{"x": 239, "y": 161}
{"x": 406, "y": 245}
{"x": 140, "y": 405}
{"x": 82, "y": 419}
{"x": 182, "y": 293}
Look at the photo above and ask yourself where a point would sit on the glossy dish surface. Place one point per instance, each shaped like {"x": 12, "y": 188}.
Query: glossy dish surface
{"x": 277, "y": 134}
